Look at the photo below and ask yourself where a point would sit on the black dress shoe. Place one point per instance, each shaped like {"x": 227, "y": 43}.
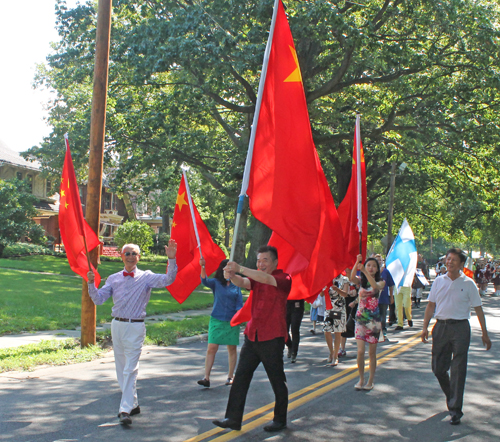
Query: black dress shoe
{"x": 227, "y": 423}
{"x": 294, "y": 358}
{"x": 134, "y": 411}
{"x": 125, "y": 418}
{"x": 399, "y": 328}
{"x": 274, "y": 426}
{"x": 204, "y": 382}
{"x": 455, "y": 420}
{"x": 410, "y": 323}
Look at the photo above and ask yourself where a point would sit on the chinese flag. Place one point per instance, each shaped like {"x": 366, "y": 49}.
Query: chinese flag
{"x": 188, "y": 253}
{"x": 288, "y": 190}
{"x": 71, "y": 223}
{"x": 353, "y": 210}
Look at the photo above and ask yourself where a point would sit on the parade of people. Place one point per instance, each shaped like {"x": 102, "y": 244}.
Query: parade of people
{"x": 278, "y": 222}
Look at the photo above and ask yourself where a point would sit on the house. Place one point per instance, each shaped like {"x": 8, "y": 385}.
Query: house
{"x": 13, "y": 165}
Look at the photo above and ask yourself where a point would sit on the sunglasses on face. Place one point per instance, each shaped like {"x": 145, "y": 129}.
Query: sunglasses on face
{"x": 131, "y": 253}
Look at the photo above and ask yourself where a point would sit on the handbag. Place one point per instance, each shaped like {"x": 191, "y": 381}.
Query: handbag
{"x": 334, "y": 315}
{"x": 351, "y": 322}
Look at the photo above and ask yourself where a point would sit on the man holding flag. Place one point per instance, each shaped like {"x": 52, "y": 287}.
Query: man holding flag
{"x": 131, "y": 290}
{"x": 265, "y": 336}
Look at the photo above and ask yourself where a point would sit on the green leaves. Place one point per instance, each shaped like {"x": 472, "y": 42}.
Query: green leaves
{"x": 183, "y": 83}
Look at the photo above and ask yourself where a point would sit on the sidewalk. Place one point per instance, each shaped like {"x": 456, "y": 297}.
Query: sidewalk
{"x": 8, "y": 341}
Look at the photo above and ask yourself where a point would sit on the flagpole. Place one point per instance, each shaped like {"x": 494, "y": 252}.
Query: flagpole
{"x": 248, "y": 162}
{"x": 191, "y": 209}
{"x": 358, "y": 182}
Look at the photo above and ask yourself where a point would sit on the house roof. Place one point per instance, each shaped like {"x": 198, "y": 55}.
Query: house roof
{"x": 9, "y": 156}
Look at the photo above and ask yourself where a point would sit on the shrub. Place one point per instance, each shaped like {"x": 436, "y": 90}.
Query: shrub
{"x": 24, "y": 249}
{"x": 134, "y": 232}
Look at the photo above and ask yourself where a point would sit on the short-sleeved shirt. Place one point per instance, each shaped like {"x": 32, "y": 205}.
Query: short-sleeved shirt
{"x": 227, "y": 299}
{"x": 384, "y": 297}
{"x": 454, "y": 298}
{"x": 269, "y": 308}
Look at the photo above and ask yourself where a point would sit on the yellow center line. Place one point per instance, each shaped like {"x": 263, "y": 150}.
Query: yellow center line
{"x": 309, "y": 393}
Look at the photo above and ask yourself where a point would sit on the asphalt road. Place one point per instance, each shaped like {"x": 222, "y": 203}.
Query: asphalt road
{"x": 80, "y": 402}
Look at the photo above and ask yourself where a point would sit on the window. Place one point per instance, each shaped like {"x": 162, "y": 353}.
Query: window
{"x": 19, "y": 175}
{"x": 48, "y": 188}
{"x": 29, "y": 179}
{"x": 107, "y": 201}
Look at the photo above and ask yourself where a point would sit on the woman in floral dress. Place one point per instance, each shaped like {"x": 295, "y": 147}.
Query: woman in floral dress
{"x": 368, "y": 325}
{"x": 335, "y": 319}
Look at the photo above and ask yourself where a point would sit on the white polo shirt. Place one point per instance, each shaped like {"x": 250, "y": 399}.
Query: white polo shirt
{"x": 454, "y": 299}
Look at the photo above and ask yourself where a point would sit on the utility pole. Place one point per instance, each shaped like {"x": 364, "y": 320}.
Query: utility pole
{"x": 391, "y": 207}
{"x": 97, "y": 130}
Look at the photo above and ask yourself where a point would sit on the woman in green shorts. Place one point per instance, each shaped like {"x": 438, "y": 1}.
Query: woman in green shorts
{"x": 227, "y": 301}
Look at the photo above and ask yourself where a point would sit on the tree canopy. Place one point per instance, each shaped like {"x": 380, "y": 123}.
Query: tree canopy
{"x": 424, "y": 76}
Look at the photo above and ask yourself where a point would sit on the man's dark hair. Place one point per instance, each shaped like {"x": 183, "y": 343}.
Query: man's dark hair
{"x": 272, "y": 250}
{"x": 459, "y": 252}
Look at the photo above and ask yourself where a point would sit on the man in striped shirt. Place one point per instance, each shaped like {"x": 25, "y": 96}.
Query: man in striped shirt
{"x": 131, "y": 290}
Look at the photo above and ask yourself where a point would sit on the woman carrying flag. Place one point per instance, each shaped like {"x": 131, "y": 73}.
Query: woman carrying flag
{"x": 227, "y": 301}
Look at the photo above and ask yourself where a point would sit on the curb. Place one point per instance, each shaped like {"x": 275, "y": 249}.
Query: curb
{"x": 198, "y": 338}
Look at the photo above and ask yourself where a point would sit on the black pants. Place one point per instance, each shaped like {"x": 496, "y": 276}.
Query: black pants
{"x": 392, "y": 313}
{"x": 383, "y": 314}
{"x": 270, "y": 353}
{"x": 294, "y": 315}
{"x": 450, "y": 345}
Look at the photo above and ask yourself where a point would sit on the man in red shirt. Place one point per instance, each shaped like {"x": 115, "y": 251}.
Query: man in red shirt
{"x": 265, "y": 336}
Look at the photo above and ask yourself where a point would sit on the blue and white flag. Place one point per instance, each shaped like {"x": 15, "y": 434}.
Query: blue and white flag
{"x": 401, "y": 261}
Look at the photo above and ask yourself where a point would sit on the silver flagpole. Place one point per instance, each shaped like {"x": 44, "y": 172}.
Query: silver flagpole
{"x": 248, "y": 162}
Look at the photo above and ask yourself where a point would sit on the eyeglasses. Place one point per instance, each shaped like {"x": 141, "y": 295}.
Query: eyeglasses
{"x": 131, "y": 253}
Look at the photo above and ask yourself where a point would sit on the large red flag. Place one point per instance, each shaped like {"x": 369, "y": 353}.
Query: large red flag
{"x": 287, "y": 188}
{"x": 353, "y": 210}
{"x": 71, "y": 223}
{"x": 188, "y": 252}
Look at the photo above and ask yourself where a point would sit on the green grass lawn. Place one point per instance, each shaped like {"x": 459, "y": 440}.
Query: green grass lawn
{"x": 68, "y": 351}
{"x": 34, "y": 301}
{"x": 53, "y": 264}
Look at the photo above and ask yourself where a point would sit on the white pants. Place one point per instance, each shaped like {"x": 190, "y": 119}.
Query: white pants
{"x": 128, "y": 338}
{"x": 417, "y": 293}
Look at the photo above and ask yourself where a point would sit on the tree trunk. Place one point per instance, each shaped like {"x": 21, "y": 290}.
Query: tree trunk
{"x": 240, "y": 242}
{"x": 165, "y": 220}
{"x": 261, "y": 235}
{"x": 226, "y": 230}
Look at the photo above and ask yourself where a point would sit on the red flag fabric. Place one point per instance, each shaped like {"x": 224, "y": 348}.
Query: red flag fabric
{"x": 284, "y": 184}
{"x": 348, "y": 208}
{"x": 188, "y": 253}
{"x": 288, "y": 190}
{"x": 244, "y": 314}
{"x": 72, "y": 225}
{"x": 468, "y": 268}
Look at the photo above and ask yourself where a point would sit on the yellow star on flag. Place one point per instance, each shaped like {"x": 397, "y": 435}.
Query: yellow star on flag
{"x": 295, "y": 76}
{"x": 181, "y": 200}
{"x": 174, "y": 224}
{"x": 66, "y": 205}
{"x": 63, "y": 193}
